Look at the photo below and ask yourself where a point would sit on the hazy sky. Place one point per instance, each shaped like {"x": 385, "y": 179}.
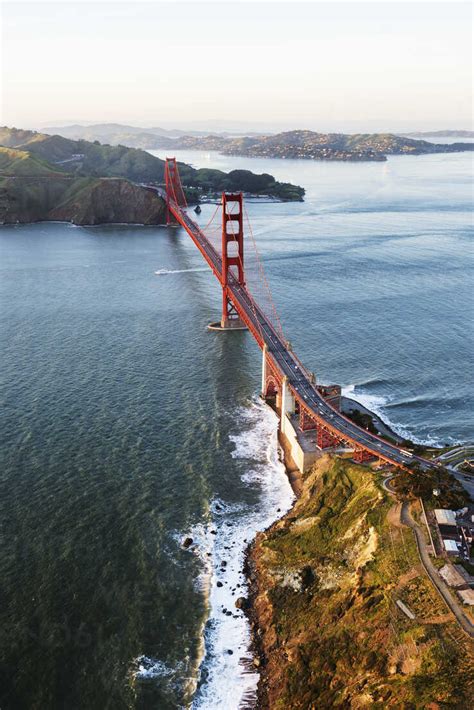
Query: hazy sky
{"x": 354, "y": 65}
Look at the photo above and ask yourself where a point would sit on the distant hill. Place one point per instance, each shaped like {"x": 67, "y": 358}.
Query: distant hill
{"x": 321, "y": 146}
{"x": 51, "y": 177}
{"x": 122, "y": 134}
{"x": 443, "y": 134}
{"x": 290, "y": 144}
{"x": 117, "y": 134}
{"x": 101, "y": 131}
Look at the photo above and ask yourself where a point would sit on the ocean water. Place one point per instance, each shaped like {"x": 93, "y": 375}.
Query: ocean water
{"x": 126, "y": 426}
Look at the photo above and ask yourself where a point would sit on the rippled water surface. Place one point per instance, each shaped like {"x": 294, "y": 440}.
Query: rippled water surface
{"x": 127, "y": 426}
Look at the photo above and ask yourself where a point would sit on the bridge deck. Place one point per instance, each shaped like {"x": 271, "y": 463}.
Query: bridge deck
{"x": 284, "y": 360}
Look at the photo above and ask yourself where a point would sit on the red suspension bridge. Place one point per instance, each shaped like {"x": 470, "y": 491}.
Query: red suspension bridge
{"x": 247, "y": 303}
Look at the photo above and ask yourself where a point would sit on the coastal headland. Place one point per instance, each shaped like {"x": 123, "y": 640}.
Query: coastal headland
{"x": 44, "y": 178}
{"x": 328, "y": 585}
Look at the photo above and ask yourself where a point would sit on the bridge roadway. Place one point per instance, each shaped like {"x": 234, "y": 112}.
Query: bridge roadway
{"x": 298, "y": 381}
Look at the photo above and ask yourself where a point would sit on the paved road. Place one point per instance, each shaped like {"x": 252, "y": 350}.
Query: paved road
{"x": 466, "y": 481}
{"x": 453, "y": 459}
{"x": 386, "y": 485}
{"x": 442, "y": 588}
{"x": 298, "y": 380}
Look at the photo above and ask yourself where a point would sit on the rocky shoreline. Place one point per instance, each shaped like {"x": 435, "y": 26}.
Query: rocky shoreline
{"x": 383, "y": 429}
{"x": 256, "y": 621}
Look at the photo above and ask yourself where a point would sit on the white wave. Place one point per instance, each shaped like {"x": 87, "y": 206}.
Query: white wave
{"x": 376, "y": 403}
{"x": 165, "y": 272}
{"x": 202, "y": 546}
{"x": 145, "y": 667}
{"x": 227, "y": 673}
{"x": 373, "y": 402}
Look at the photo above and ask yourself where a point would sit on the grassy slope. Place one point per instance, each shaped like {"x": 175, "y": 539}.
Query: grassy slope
{"x": 13, "y": 137}
{"x": 21, "y": 163}
{"x": 339, "y": 640}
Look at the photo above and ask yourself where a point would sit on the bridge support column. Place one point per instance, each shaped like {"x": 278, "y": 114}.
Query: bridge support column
{"x": 287, "y": 405}
{"x": 324, "y": 439}
{"x": 307, "y": 423}
{"x": 361, "y": 456}
{"x": 263, "y": 392}
{"x": 232, "y": 260}
{"x": 287, "y": 399}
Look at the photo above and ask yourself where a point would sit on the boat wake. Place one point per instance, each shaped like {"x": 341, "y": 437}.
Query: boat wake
{"x": 166, "y": 272}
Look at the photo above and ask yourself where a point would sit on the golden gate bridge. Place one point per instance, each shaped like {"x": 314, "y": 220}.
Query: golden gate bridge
{"x": 247, "y": 304}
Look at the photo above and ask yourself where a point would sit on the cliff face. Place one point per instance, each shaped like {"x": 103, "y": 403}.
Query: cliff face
{"x": 112, "y": 200}
{"x": 78, "y": 200}
{"x": 325, "y": 583}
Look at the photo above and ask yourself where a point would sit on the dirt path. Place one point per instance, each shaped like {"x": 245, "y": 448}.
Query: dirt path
{"x": 408, "y": 576}
{"x": 440, "y": 619}
{"x": 393, "y": 516}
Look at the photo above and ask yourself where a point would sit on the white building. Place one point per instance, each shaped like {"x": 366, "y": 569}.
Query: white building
{"x": 445, "y": 517}
{"x": 467, "y": 596}
{"x": 451, "y": 547}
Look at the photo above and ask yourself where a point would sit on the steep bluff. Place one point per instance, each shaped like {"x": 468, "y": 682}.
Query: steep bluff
{"x": 82, "y": 201}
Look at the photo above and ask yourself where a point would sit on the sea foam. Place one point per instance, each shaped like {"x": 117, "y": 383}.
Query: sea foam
{"x": 377, "y": 404}
{"x": 227, "y": 675}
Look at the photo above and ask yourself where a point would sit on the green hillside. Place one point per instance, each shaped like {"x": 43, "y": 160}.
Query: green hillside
{"x": 22, "y": 163}
{"x": 81, "y": 158}
{"x": 12, "y": 137}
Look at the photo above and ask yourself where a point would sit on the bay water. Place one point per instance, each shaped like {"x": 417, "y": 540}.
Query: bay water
{"x": 126, "y": 426}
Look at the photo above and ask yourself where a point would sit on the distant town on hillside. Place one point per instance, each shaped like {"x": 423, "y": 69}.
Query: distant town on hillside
{"x": 289, "y": 144}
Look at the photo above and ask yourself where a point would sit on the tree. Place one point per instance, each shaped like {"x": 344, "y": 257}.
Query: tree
{"x": 419, "y": 483}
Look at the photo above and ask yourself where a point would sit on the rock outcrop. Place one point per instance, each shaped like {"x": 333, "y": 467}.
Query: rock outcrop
{"x": 82, "y": 201}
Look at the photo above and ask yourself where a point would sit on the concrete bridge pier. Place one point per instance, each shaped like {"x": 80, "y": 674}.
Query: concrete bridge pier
{"x": 287, "y": 407}
{"x": 263, "y": 392}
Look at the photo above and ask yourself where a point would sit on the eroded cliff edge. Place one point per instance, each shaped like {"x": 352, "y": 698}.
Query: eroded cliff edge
{"x": 82, "y": 201}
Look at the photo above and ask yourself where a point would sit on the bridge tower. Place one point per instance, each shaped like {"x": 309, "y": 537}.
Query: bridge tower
{"x": 232, "y": 256}
{"x": 174, "y": 189}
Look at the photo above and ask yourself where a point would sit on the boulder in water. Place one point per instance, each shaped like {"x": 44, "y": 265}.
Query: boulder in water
{"x": 241, "y": 603}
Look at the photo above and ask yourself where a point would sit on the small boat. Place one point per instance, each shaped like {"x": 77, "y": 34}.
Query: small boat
{"x": 197, "y": 209}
